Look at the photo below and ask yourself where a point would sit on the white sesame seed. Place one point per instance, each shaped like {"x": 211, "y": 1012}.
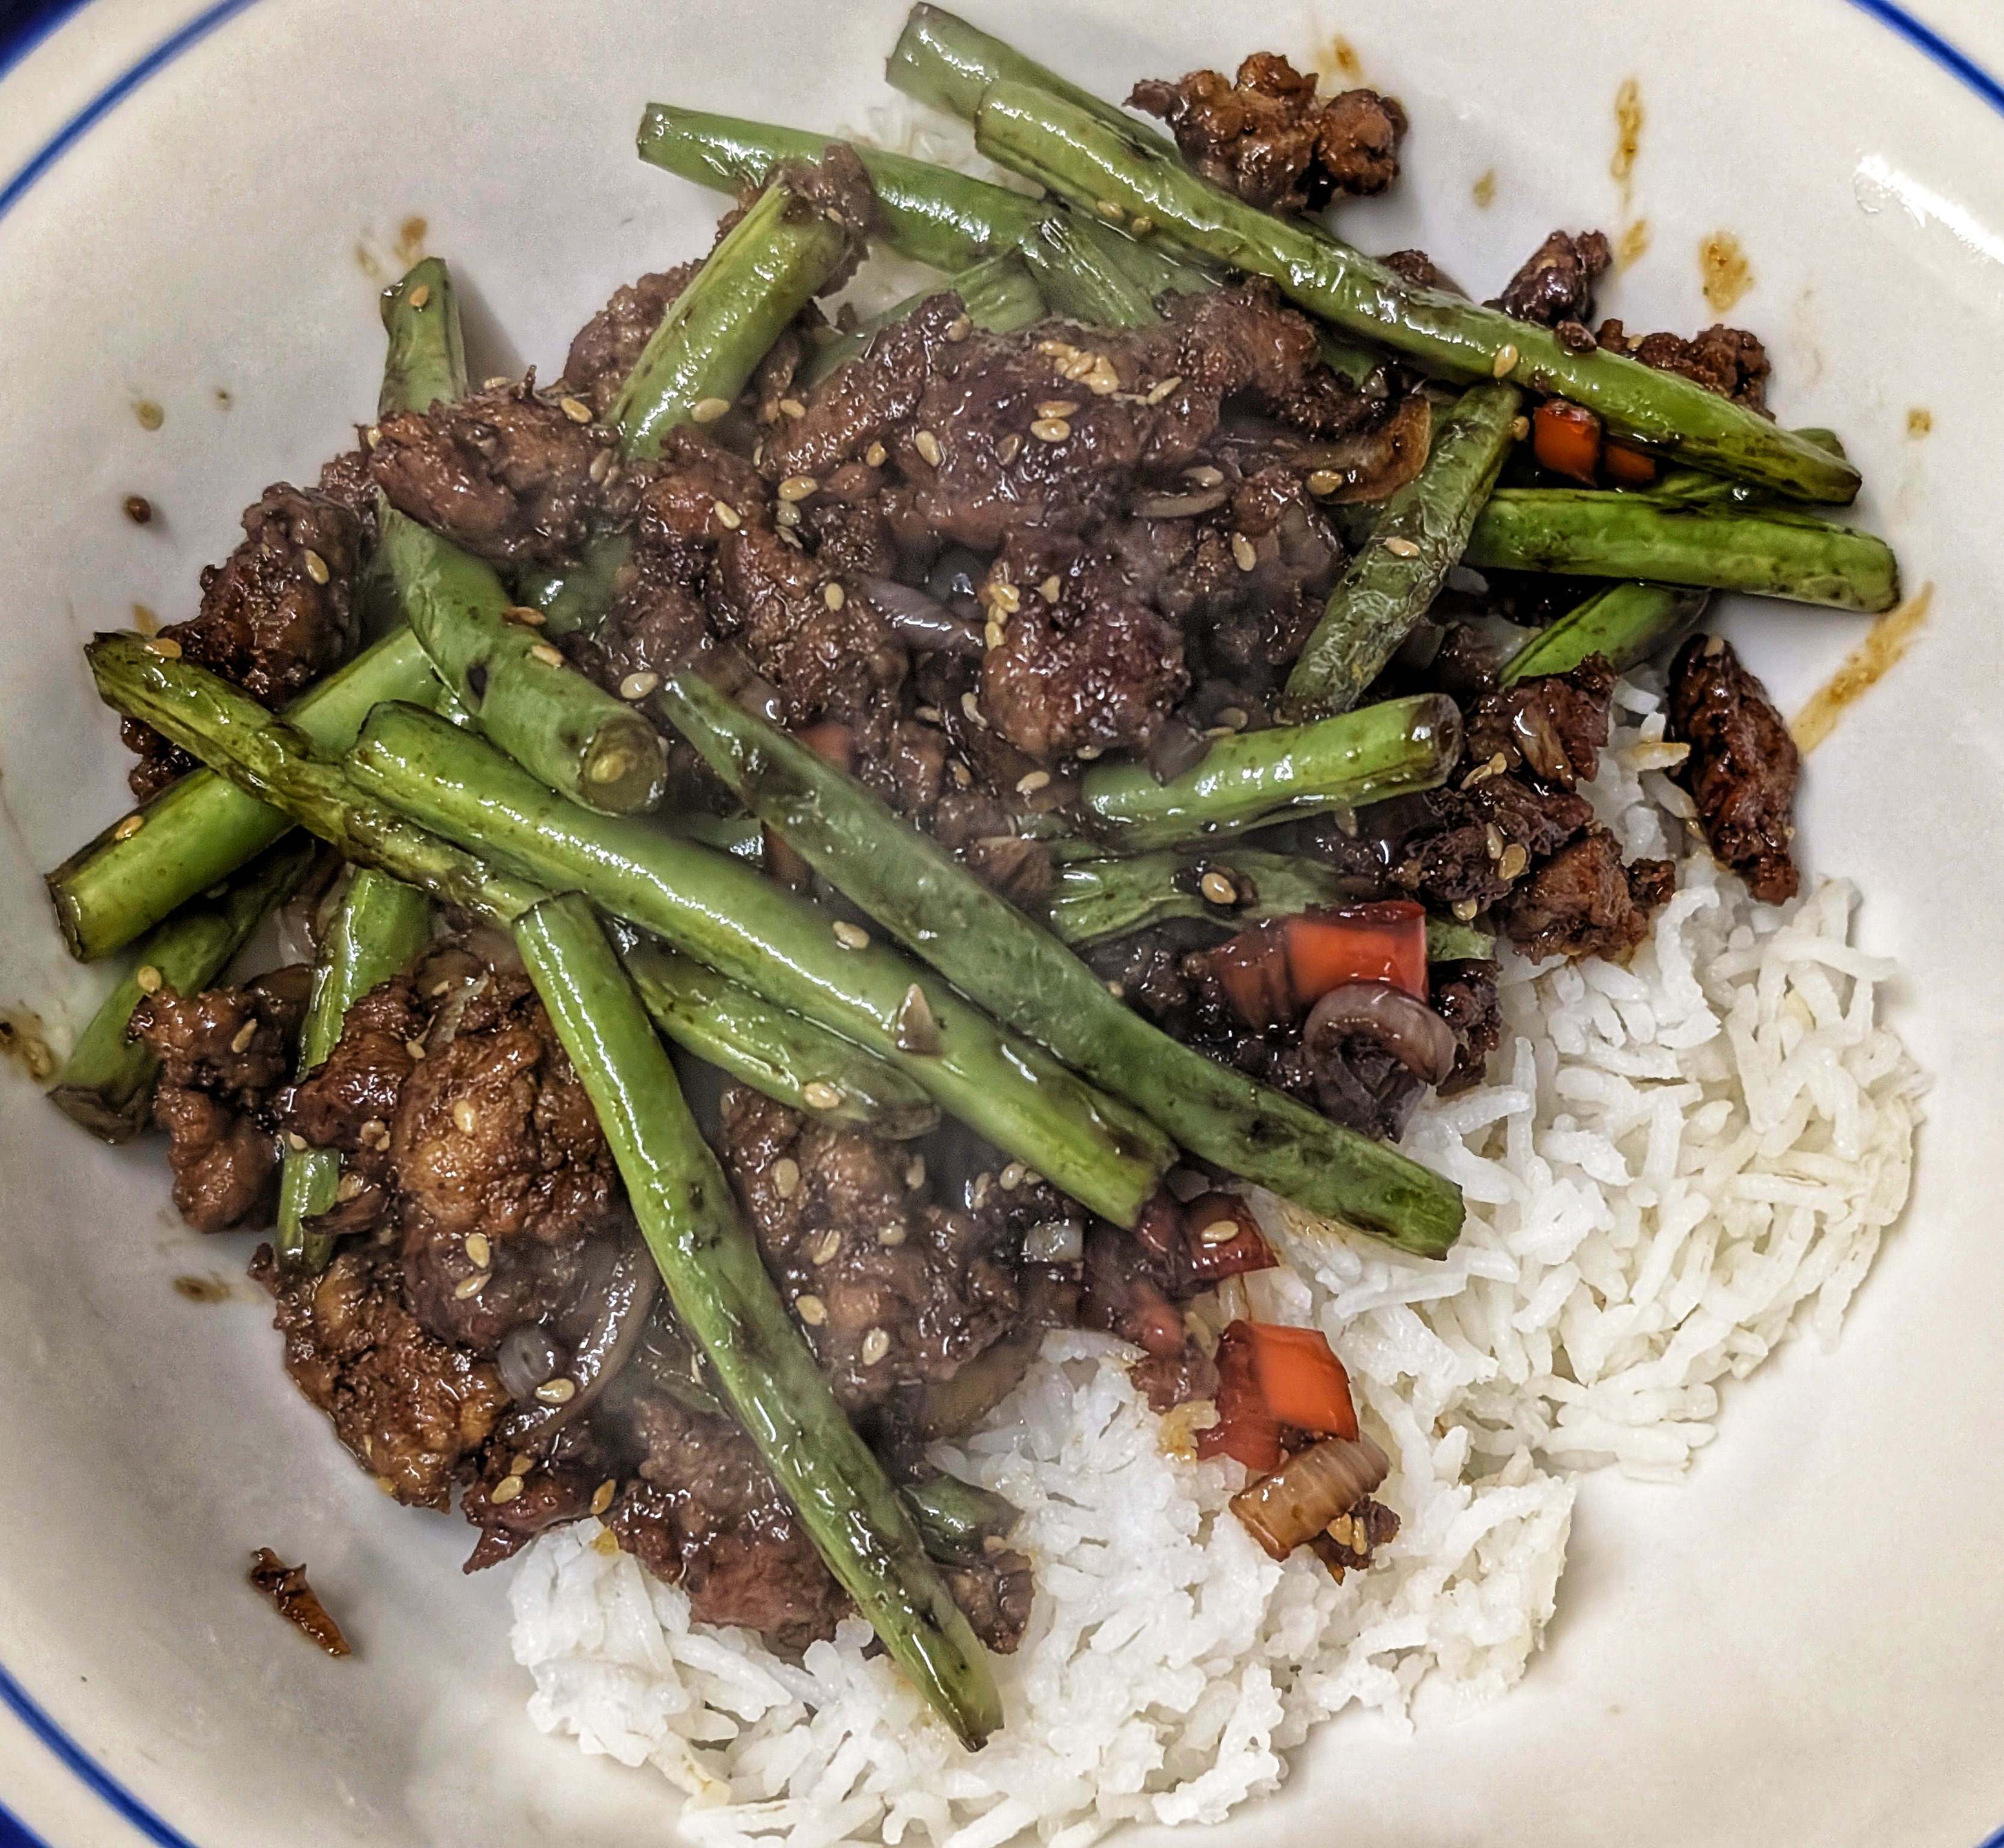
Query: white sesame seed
{"x": 601, "y": 1497}
{"x": 557, "y": 1392}
{"x": 638, "y": 686}
{"x": 1055, "y": 349}
{"x": 1089, "y": 753}
{"x": 833, "y": 594}
{"x": 470, "y": 1286}
{"x": 798, "y": 487}
{"x": 785, "y": 1177}
{"x": 1218, "y": 731}
{"x": 826, "y": 1247}
{"x": 415, "y": 1048}
{"x": 811, "y": 1310}
{"x": 496, "y": 382}
{"x": 926, "y": 715}
{"x": 1219, "y": 889}
{"x": 994, "y": 634}
{"x": 165, "y": 646}
{"x": 1117, "y": 990}
{"x": 149, "y": 979}
{"x": 727, "y": 515}
{"x": 1233, "y": 716}
{"x": 1109, "y": 209}
{"x": 1715, "y": 645}
{"x": 851, "y": 936}
{"x": 787, "y": 514}
{"x": 316, "y": 567}
{"x": 1203, "y": 476}
{"x": 876, "y": 1344}
{"x": 372, "y": 436}
{"x": 958, "y": 328}
{"x": 928, "y": 446}
{"x": 1050, "y": 429}
{"x": 819, "y": 1096}
{"x": 874, "y": 455}
{"x": 1492, "y": 839}
{"x": 1004, "y": 596}
{"x": 1051, "y": 589}
{"x": 1506, "y": 361}
{"x": 610, "y": 767}
{"x": 1513, "y": 860}
{"x": 349, "y": 1188}
{"x": 969, "y": 705}
{"x": 549, "y": 657}
{"x": 601, "y": 467}
{"x": 1400, "y": 548}
{"x": 1056, "y": 407}
{"x": 1520, "y": 428}
{"x": 245, "y": 1034}
{"x": 1466, "y": 909}
{"x": 962, "y": 775}
{"x": 1324, "y": 480}
{"x": 375, "y": 1134}
{"x": 890, "y": 1237}
{"x": 1036, "y": 779}
{"x": 1011, "y": 1177}
{"x": 707, "y": 410}
{"x": 1219, "y": 1232}
{"x": 793, "y": 408}
{"x": 914, "y": 1176}
{"x": 506, "y": 1489}
{"x": 420, "y": 295}
{"x": 1244, "y": 552}
{"x": 479, "y": 1253}
{"x": 294, "y": 1141}
{"x": 522, "y": 614}
{"x": 521, "y": 1464}
{"x": 1007, "y": 449}
{"x": 1157, "y": 393}
{"x": 576, "y": 409}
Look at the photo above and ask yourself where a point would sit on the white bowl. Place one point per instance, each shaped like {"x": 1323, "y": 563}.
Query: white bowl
{"x": 1801, "y": 1644}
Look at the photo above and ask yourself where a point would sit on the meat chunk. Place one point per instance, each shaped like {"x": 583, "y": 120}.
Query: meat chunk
{"x": 296, "y": 1601}
{"x": 1585, "y": 903}
{"x": 278, "y": 614}
{"x": 224, "y": 1053}
{"x": 893, "y": 1292}
{"x": 560, "y": 1481}
{"x": 412, "y": 1410}
{"x": 1727, "y": 360}
{"x": 1742, "y": 766}
{"x": 1553, "y": 726}
{"x": 994, "y": 1596}
{"x": 1269, "y": 138}
{"x": 1464, "y": 995}
{"x": 505, "y": 473}
{"x": 494, "y": 1134}
{"x": 705, "y": 1514}
{"x": 605, "y": 347}
{"x": 1464, "y": 853}
{"x": 1555, "y": 287}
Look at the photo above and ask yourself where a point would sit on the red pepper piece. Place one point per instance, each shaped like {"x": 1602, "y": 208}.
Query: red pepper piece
{"x": 1566, "y": 439}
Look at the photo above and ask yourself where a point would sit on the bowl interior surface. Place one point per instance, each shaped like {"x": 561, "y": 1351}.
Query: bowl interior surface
{"x": 1778, "y": 1649}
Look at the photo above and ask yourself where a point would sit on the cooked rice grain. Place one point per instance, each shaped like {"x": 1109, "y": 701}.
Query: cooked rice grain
{"x": 1684, "y": 1162}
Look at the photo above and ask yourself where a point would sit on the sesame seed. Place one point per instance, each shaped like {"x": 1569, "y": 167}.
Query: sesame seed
{"x": 601, "y": 467}
{"x": 245, "y": 1034}
{"x": 890, "y": 1237}
{"x": 415, "y": 1048}
{"x": 1203, "y": 476}
{"x": 1520, "y": 428}
{"x": 128, "y": 828}
{"x": 1235, "y": 716}
{"x": 1506, "y": 361}
{"x": 638, "y": 686}
{"x": 1217, "y": 731}
{"x": 1109, "y": 209}
{"x": 524, "y": 616}
{"x": 420, "y": 295}
{"x": 927, "y": 715}
{"x": 851, "y": 936}
{"x": 826, "y": 1247}
{"x": 798, "y": 487}
{"x": 375, "y": 1134}
{"x": 1513, "y": 861}
{"x": 785, "y": 1177}
{"x": 793, "y": 408}
{"x": 1102, "y": 379}
{"x": 576, "y": 409}
{"x": 385, "y": 1483}
{"x": 521, "y": 1464}
{"x": 349, "y": 1188}
{"x": 1005, "y": 596}
{"x": 1324, "y": 480}
{"x": 811, "y": 1310}
{"x": 1005, "y": 450}
{"x": 1050, "y": 590}
{"x": 470, "y": 1286}
{"x": 876, "y": 1344}
{"x": 165, "y": 646}
{"x": 557, "y": 1392}
{"x": 601, "y": 1497}
{"x": 707, "y": 410}
{"x": 994, "y": 634}
{"x": 1055, "y": 349}
{"x": 1465, "y": 908}
{"x": 833, "y": 594}
{"x": 1244, "y": 552}
{"x": 149, "y": 979}
{"x": 1117, "y": 990}
{"x": 928, "y": 446}
{"x": 959, "y": 328}
{"x": 1050, "y": 429}
{"x": 915, "y": 1177}
{"x": 1493, "y": 837}
{"x": 962, "y": 775}
{"x": 1056, "y": 407}
{"x": 787, "y": 514}
{"x": 1400, "y": 548}
{"x": 506, "y": 1489}
{"x": 294, "y": 1141}
{"x": 479, "y": 1253}
{"x": 316, "y": 567}
{"x": 1219, "y": 1232}
{"x": 1011, "y": 1177}
{"x": 1715, "y": 645}
{"x": 543, "y": 652}
{"x": 465, "y": 1118}
{"x": 874, "y": 454}
{"x": 610, "y": 767}
{"x": 372, "y": 436}
{"x": 972, "y": 707}
{"x": 1036, "y": 779}
{"x": 1089, "y": 753}
{"x": 139, "y": 509}
{"x": 496, "y": 382}
{"x": 1218, "y": 888}
{"x": 1157, "y": 393}
{"x": 819, "y": 1096}
{"x": 1078, "y": 365}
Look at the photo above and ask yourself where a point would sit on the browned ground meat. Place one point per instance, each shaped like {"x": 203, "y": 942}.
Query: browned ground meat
{"x": 558, "y": 1481}
{"x": 280, "y": 612}
{"x": 893, "y": 1292}
{"x": 413, "y": 1410}
{"x": 1464, "y": 995}
{"x": 1421, "y": 271}
{"x": 224, "y": 1053}
{"x": 1269, "y": 138}
{"x": 1728, "y": 360}
{"x": 1742, "y": 766}
{"x": 1553, "y": 728}
{"x": 605, "y": 347}
{"x": 704, "y": 1513}
{"x": 1585, "y": 903}
{"x": 1555, "y": 287}
{"x": 994, "y": 1596}
{"x": 505, "y": 473}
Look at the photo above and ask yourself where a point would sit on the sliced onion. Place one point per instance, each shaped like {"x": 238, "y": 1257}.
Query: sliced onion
{"x": 1374, "y": 462}
{"x": 526, "y": 1359}
{"x": 623, "y": 1300}
{"x": 1055, "y": 1242}
{"x": 1179, "y": 507}
{"x": 956, "y": 572}
{"x": 1299, "y": 1500}
{"x": 923, "y": 621}
{"x": 1406, "y": 1027}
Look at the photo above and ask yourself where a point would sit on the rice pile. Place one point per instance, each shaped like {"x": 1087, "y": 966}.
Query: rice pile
{"x": 1683, "y": 1162}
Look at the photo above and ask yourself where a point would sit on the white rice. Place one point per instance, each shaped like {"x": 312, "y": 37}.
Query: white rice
{"x": 1684, "y": 1162}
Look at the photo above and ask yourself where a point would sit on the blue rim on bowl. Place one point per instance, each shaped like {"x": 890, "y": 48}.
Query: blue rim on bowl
{"x": 26, "y": 26}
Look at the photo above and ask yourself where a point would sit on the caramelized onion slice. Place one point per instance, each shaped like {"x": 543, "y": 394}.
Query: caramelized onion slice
{"x": 921, "y": 621}
{"x": 1406, "y": 1027}
{"x": 1299, "y": 1500}
{"x": 1374, "y": 463}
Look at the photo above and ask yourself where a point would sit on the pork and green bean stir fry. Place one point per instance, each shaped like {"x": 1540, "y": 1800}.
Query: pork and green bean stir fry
{"x": 836, "y": 844}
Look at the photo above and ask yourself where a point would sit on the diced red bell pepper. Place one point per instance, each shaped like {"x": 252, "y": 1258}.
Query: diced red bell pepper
{"x": 832, "y": 743}
{"x": 1628, "y": 468}
{"x": 1244, "y": 1428}
{"x": 1385, "y": 942}
{"x": 1301, "y": 1381}
{"x": 1566, "y": 439}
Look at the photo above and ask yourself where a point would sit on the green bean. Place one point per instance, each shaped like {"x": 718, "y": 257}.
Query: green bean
{"x": 1626, "y": 622}
{"x": 427, "y": 358}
